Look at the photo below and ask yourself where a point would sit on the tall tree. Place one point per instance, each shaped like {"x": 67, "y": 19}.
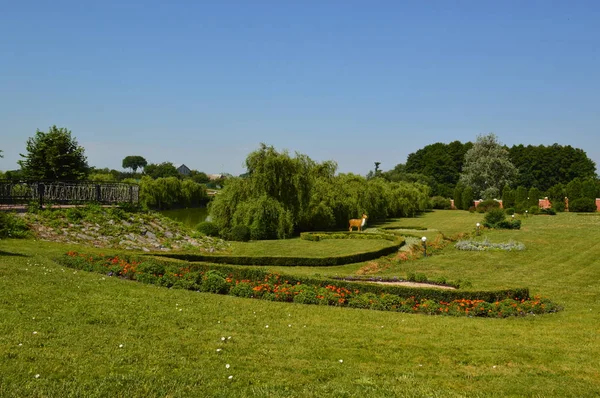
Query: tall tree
{"x": 487, "y": 168}
{"x": 54, "y": 155}
{"x": 162, "y": 170}
{"x": 134, "y": 163}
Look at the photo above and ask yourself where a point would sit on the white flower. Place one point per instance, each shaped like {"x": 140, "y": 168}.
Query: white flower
{"x": 289, "y": 326}
{"x": 223, "y": 338}
{"x": 494, "y": 367}
{"x": 230, "y": 377}
{"x": 120, "y": 345}
{"x": 20, "y": 344}
{"x": 180, "y": 309}
{"x": 37, "y": 376}
{"x": 227, "y": 366}
{"x": 218, "y": 350}
{"x": 267, "y": 326}
{"x": 341, "y": 361}
{"x": 34, "y": 332}
{"x": 228, "y": 337}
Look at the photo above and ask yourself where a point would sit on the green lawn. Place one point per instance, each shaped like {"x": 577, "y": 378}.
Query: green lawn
{"x": 170, "y": 337}
{"x": 304, "y": 248}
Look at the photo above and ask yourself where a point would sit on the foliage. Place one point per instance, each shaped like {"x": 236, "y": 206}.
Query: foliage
{"x": 487, "y": 205}
{"x": 13, "y": 226}
{"x": 458, "y": 191}
{"x": 549, "y": 211}
{"x": 285, "y": 288}
{"x": 281, "y": 195}
{"x": 467, "y": 198}
{"x": 440, "y": 162}
{"x": 162, "y": 170}
{"x": 494, "y": 216}
{"x": 545, "y": 166}
{"x": 208, "y": 228}
{"x": 134, "y": 163}
{"x": 54, "y": 155}
{"x": 582, "y": 205}
{"x": 439, "y": 202}
{"x": 165, "y": 193}
{"x": 478, "y": 245}
{"x": 487, "y": 166}
{"x": 199, "y": 177}
{"x": 508, "y": 197}
{"x": 240, "y": 233}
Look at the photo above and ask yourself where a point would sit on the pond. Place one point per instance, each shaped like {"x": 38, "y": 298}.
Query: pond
{"x": 189, "y": 217}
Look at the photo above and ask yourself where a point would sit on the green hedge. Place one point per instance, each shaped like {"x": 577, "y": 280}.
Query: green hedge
{"x": 317, "y": 236}
{"x": 288, "y": 261}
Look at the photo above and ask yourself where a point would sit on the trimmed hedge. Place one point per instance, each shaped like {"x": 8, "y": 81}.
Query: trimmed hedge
{"x": 282, "y": 261}
{"x": 317, "y": 236}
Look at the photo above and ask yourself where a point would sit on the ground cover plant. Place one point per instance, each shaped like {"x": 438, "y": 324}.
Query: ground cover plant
{"x": 481, "y": 245}
{"x": 100, "y": 336}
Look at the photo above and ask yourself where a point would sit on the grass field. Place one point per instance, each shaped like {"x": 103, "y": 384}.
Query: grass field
{"x": 303, "y": 248}
{"x": 100, "y": 336}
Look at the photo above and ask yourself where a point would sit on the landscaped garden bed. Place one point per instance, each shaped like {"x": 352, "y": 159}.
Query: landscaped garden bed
{"x": 255, "y": 283}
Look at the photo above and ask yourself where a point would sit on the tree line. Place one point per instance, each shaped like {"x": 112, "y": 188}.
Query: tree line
{"x": 441, "y": 165}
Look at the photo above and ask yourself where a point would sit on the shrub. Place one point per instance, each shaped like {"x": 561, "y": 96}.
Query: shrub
{"x": 474, "y": 245}
{"x": 494, "y": 216}
{"x": 208, "y": 228}
{"x": 12, "y": 226}
{"x": 534, "y": 210}
{"x": 439, "y": 202}
{"x": 583, "y": 205}
{"x": 214, "y": 282}
{"x": 508, "y": 224}
{"x": 549, "y": 211}
{"x": 240, "y": 233}
{"x": 487, "y": 205}
{"x": 510, "y": 211}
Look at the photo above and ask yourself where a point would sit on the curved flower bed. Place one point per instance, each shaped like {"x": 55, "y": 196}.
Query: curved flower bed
{"x": 275, "y": 287}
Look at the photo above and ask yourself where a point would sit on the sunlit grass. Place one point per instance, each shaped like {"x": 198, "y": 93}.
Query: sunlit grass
{"x": 170, "y": 337}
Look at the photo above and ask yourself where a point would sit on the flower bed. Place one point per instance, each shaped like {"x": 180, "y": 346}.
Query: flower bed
{"x": 252, "y": 283}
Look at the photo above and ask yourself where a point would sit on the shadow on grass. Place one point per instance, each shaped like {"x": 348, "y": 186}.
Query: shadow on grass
{"x": 9, "y": 254}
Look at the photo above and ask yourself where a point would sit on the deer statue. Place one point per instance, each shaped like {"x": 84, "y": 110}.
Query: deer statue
{"x": 358, "y": 222}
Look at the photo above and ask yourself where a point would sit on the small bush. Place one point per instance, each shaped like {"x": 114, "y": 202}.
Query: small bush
{"x": 214, "y": 282}
{"x": 487, "y": 205}
{"x": 534, "y": 210}
{"x": 507, "y": 224}
{"x": 13, "y": 226}
{"x": 510, "y": 211}
{"x": 439, "y": 202}
{"x": 494, "y": 216}
{"x": 583, "y": 205}
{"x": 208, "y": 228}
{"x": 549, "y": 211}
{"x": 240, "y": 233}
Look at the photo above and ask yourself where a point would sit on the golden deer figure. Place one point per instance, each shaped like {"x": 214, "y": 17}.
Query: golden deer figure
{"x": 358, "y": 222}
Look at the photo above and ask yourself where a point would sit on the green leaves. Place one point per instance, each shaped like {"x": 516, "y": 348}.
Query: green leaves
{"x": 54, "y": 155}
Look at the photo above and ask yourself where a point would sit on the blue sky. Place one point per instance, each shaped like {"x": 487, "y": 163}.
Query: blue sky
{"x": 204, "y": 82}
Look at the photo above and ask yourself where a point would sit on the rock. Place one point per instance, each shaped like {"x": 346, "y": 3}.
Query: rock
{"x": 145, "y": 249}
{"x": 168, "y": 234}
{"x": 150, "y": 235}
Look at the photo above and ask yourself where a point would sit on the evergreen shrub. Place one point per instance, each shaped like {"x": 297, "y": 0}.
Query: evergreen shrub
{"x": 208, "y": 228}
{"x": 586, "y": 205}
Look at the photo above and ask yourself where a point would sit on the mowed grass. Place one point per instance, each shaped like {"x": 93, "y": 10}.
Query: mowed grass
{"x": 303, "y": 248}
{"x": 170, "y": 337}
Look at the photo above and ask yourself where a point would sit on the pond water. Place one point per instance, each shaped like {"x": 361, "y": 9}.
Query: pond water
{"x": 189, "y": 217}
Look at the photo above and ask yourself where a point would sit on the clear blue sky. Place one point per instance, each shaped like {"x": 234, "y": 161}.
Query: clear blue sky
{"x": 204, "y": 82}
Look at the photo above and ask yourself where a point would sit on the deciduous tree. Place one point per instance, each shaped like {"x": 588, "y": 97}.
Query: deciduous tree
{"x": 487, "y": 168}
{"x": 54, "y": 155}
{"x": 134, "y": 163}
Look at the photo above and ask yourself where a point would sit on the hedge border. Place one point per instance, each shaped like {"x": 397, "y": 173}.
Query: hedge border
{"x": 418, "y": 293}
{"x": 285, "y": 261}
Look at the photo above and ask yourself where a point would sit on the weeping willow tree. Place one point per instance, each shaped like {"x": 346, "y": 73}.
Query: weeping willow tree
{"x": 282, "y": 194}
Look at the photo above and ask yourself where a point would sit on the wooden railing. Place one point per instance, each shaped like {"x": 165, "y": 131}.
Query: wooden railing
{"x": 67, "y": 193}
